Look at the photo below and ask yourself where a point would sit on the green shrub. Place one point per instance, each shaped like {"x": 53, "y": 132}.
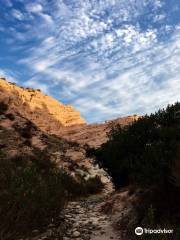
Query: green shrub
{"x": 33, "y": 191}
{"x": 30, "y": 196}
{"x": 143, "y": 152}
{"x": 93, "y": 185}
{"x": 149, "y": 219}
{"x": 82, "y": 187}
{"x": 178, "y": 234}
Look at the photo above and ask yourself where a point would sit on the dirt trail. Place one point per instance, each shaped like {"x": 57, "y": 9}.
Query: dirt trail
{"x": 86, "y": 222}
{"x": 80, "y": 220}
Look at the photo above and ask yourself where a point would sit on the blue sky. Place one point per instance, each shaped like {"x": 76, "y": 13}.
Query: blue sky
{"x": 108, "y": 58}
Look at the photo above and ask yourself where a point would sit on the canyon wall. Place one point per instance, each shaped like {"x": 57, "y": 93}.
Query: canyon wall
{"x": 44, "y": 111}
{"x": 52, "y": 117}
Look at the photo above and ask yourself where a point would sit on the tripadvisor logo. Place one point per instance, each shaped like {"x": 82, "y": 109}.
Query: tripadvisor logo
{"x": 139, "y": 231}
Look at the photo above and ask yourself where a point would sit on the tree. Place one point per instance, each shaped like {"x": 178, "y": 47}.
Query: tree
{"x": 144, "y": 151}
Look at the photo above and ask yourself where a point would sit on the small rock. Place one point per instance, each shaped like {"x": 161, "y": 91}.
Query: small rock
{"x": 66, "y": 238}
{"x": 44, "y": 237}
{"x": 76, "y": 225}
{"x": 76, "y": 234}
{"x": 98, "y": 227}
{"x": 51, "y": 225}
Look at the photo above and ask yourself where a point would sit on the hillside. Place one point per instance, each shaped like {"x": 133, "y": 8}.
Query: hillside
{"x": 19, "y": 136}
{"x": 37, "y": 128}
{"x": 26, "y": 126}
{"x": 54, "y": 118}
{"x": 34, "y": 120}
{"x": 94, "y": 134}
{"x": 39, "y": 108}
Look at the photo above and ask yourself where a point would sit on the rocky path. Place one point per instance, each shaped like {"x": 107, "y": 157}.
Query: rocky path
{"x": 85, "y": 221}
{"x": 81, "y": 220}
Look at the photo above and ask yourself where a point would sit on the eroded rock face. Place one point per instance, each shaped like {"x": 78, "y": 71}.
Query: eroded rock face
{"x": 94, "y": 134}
{"x": 35, "y": 120}
{"x": 52, "y": 117}
{"x": 20, "y": 135}
{"x": 44, "y": 111}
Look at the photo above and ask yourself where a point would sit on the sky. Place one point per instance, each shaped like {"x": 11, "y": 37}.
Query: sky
{"x": 107, "y": 58}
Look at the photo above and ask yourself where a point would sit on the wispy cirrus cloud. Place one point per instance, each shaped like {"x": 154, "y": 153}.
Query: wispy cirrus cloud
{"x": 108, "y": 58}
{"x": 9, "y": 75}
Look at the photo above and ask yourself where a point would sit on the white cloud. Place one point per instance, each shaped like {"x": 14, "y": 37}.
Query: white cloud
{"x": 17, "y": 14}
{"x": 136, "y": 89}
{"x": 38, "y": 9}
{"x": 34, "y": 8}
{"x": 160, "y": 17}
{"x": 107, "y": 65}
{"x": 34, "y": 83}
{"x": 158, "y": 4}
{"x": 48, "y": 19}
{"x": 8, "y": 75}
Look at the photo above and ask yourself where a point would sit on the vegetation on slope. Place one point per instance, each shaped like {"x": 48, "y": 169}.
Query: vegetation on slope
{"x": 33, "y": 188}
{"x": 145, "y": 154}
{"x": 33, "y": 191}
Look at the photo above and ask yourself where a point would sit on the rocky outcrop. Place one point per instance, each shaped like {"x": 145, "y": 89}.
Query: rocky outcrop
{"x": 94, "y": 134}
{"x": 19, "y": 136}
{"x": 44, "y": 111}
{"x": 34, "y": 120}
{"x": 54, "y": 118}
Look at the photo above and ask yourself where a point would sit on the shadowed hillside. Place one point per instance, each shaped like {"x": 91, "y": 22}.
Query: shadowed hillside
{"x": 39, "y": 172}
{"x": 143, "y": 158}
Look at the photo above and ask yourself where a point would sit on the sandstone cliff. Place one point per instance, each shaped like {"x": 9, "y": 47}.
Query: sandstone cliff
{"x": 44, "y": 111}
{"x": 22, "y": 133}
{"x": 94, "y": 134}
{"x": 52, "y": 117}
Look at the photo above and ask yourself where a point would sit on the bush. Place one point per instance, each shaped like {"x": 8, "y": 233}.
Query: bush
{"x": 33, "y": 191}
{"x": 143, "y": 152}
{"x": 30, "y": 196}
{"x": 93, "y": 185}
{"x": 25, "y": 131}
{"x": 82, "y": 187}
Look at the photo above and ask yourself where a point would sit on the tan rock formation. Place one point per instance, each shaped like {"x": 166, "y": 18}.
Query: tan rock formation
{"x": 23, "y": 121}
{"x": 21, "y": 137}
{"x": 94, "y": 134}
{"x": 44, "y": 111}
{"x": 53, "y": 117}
